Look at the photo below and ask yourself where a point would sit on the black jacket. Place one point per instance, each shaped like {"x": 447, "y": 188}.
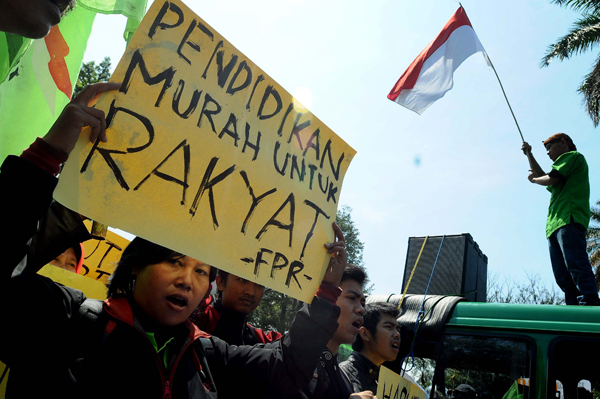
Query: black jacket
{"x": 232, "y": 327}
{"x": 363, "y": 374}
{"x": 328, "y": 380}
{"x": 57, "y": 343}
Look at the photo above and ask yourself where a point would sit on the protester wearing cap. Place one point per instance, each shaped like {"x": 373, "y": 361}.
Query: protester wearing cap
{"x": 568, "y": 217}
{"x": 70, "y": 260}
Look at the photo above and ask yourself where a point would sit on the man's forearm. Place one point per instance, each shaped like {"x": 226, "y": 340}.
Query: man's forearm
{"x": 534, "y": 165}
{"x": 545, "y": 180}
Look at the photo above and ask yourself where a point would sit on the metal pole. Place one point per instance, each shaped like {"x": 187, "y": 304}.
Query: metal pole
{"x": 506, "y": 98}
{"x": 503, "y": 92}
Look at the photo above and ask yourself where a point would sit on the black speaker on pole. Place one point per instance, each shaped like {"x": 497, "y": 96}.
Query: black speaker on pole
{"x": 461, "y": 267}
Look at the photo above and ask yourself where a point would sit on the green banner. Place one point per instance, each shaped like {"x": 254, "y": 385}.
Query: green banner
{"x": 39, "y": 86}
{"x": 38, "y": 76}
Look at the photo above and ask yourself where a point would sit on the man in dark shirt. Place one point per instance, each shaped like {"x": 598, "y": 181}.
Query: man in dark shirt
{"x": 226, "y": 318}
{"x": 329, "y": 381}
{"x": 378, "y": 341}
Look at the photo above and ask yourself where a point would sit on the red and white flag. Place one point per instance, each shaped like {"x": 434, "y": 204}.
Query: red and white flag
{"x": 429, "y": 76}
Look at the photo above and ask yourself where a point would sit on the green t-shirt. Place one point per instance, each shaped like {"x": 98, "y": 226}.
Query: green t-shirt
{"x": 571, "y": 195}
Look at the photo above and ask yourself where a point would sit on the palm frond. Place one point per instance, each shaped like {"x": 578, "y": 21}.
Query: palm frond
{"x": 583, "y": 6}
{"x": 584, "y": 35}
{"x": 590, "y": 89}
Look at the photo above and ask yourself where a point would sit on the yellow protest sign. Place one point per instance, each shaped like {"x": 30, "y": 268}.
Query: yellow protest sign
{"x": 393, "y": 386}
{"x": 91, "y": 288}
{"x": 209, "y": 156}
{"x": 101, "y": 256}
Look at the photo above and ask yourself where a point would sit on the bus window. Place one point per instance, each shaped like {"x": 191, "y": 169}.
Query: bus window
{"x": 483, "y": 367}
{"x": 571, "y": 375}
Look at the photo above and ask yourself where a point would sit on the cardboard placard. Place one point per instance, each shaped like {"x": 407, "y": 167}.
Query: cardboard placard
{"x": 209, "y": 156}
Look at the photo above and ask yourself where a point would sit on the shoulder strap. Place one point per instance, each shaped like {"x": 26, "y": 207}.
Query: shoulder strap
{"x": 204, "y": 349}
{"x": 207, "y": 347}
{"x": 91, "y": 311}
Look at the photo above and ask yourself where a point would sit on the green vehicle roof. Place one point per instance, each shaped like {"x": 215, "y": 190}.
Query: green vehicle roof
{"x": 526, "y": 317}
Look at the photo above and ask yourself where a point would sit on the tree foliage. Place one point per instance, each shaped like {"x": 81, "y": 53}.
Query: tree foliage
{"x": 276, "y": 310}
{"x": 422, "y": 371}
{"x": 354, "y": 246}
{"x": 531, "y": 291}
{"x": 583, "y": 36}
{"x": 593, "y": 241}
{"x": 92, "y": 73}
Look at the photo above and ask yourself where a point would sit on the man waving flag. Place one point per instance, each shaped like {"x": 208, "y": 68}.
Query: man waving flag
{"x": 429, "y": 76}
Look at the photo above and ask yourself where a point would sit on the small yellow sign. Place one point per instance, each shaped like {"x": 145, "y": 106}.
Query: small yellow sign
{"x": 209, "y": 156}
{"x": 101, "y": 256}
{"x": 91, "y": 288}
{"x": 393, "y": 386}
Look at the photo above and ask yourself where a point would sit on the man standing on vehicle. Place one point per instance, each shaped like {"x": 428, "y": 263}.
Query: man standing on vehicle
{"x": 568, "y": 218}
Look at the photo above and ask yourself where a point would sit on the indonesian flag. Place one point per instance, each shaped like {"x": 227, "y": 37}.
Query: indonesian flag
{"x": 429, "y": 76}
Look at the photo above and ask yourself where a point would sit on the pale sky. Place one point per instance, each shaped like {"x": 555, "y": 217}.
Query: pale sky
{"x": 458, "y": 167}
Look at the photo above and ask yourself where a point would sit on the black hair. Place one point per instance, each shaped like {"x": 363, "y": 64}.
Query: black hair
{"x": 372, "y": 316}
{"x": 139, "y": 254}
{"x": 223, "y": 274}
{"x": 356, "y": 273}
{"x": 558, "y": 137}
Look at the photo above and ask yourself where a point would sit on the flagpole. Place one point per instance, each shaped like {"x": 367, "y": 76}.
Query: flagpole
{"x": 502, "y": 87}
{"x": 506, "y": 98}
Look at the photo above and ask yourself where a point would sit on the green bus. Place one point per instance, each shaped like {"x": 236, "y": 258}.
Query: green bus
{"x": 502, "y": 351}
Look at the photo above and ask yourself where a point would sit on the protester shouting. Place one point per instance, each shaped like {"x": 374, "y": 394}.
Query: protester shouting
{"x": 139, "y": 342}
{"x": 329, "y": 381}
{"x": 378, "y": 341}
{"x": 568, "y": 217}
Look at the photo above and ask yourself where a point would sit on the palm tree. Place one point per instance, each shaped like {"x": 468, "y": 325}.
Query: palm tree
{"x": 584, "y": 35}
{"x": 593, "y": 241}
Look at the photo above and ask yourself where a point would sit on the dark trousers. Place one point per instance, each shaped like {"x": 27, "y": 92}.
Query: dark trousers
{"x": 571, "y": 265}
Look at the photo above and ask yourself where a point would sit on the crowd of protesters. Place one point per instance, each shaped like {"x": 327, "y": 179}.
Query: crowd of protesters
{"x": 159, "y": 333}
{"x": 140, "y": 341}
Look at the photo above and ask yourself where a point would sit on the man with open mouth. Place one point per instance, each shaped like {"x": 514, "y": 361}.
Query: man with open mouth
{"x": 377, "y": 342}
{"x": 32, "y": 18}
{"x": 329, "y": 382}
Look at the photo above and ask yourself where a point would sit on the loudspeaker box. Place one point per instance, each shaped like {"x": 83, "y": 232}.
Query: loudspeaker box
{"x": 461, "y": 268}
